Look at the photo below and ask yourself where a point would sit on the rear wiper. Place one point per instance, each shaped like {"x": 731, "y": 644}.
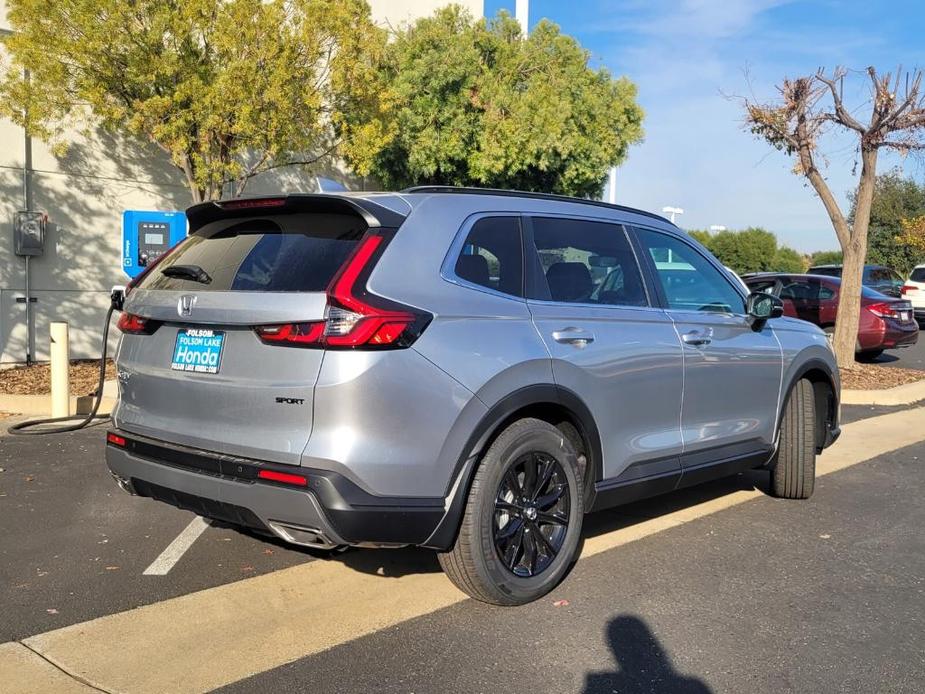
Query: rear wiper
{"x": 187, "y": 272}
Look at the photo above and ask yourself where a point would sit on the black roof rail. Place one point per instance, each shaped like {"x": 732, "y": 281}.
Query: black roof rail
{"x": 472, "y": 190}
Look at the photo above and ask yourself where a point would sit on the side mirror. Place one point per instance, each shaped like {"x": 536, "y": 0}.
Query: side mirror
{"x": 761, "y": 307}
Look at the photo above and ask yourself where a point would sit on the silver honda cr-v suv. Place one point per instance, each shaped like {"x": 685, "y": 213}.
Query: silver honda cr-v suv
{"x": 466, "y": 370}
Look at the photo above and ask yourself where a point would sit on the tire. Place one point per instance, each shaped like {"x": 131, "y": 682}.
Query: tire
{"x": 491, "y": 557}
{"x": 868, "y": 356}
{"x": 794, "y": 473}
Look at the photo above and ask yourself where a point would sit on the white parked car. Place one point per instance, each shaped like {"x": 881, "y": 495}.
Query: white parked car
{"x": 914, "y": 291}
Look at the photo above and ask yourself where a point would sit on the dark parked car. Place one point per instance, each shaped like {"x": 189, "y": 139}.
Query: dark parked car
{"x": 878, "y": 277}
{"x": 886, "y": 323}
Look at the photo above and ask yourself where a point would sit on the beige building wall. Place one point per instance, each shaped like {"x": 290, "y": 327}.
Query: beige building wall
{"x": 84, "y": 194}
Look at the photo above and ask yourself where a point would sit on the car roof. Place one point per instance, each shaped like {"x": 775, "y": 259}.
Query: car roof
{"x": 464, "y": 190}
{"x": 789, "y": 275}
{"x": 382, "y": 208}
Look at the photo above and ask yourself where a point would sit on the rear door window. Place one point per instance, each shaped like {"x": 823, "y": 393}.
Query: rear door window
{"x": 585, "y": 262}
{"x": 277, "y": 253}
{"x": 918, "y": 275}
{"x": 492, "y": 255}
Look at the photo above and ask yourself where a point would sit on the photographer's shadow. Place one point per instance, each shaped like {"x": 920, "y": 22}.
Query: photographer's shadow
{"x": 642, "y": 664}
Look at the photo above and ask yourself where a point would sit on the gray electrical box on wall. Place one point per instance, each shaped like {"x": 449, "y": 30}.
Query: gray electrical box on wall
{"x": 29, "y": 233}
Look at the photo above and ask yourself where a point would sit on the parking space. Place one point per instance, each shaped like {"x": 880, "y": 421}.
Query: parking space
{"x": 773, "y": 596}
{"x": 74, "y": 546}
{"x": 715, "y": 588}
{"x": 907, "y": 358}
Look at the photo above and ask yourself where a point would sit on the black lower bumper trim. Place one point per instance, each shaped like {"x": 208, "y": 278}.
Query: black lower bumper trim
{"x": 355, "y": 515}
{"x": 209, "y": 508}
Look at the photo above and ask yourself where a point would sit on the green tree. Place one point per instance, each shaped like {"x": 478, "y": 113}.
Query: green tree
{"x": 749, "y": 250}
{"x": 227, "y": 88}
{"x": 787, "y": 260}
{"x": 896, "y": 198}
{"x": 826, "y": 258}
{"x": 701, "y": 235}
{"x": 481, "y": 105}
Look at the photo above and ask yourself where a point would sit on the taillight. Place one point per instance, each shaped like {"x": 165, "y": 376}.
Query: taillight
{"x": 909, "y": 289}
{"x": 883, "y": 310}
{"x": 303, "y": 334}
{"x": 130, "y": 324}
{"x": 115, "y": 439}
{"x": 354, "y": 317}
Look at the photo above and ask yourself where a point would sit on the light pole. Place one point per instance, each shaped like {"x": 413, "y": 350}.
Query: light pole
{"x": 522, "y": 15}
{"x": 672, "y": 211}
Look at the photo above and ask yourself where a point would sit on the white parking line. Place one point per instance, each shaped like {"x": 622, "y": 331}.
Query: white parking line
{"x": 176, "y": 549}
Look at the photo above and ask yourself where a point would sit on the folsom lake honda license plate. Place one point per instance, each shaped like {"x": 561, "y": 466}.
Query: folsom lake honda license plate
{"x": 198, "y": 350}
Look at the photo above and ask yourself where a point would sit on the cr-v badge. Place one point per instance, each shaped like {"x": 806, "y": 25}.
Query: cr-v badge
{"x": 185, "y": 305}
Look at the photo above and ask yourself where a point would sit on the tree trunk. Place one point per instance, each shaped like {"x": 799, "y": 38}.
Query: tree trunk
{"x": 855, "y": 253}
{"x": 849, "y": 305}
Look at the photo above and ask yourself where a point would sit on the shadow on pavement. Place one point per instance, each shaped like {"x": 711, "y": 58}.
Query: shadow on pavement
{"x": 642, "y": 664}
{"x": 394, "y": 563}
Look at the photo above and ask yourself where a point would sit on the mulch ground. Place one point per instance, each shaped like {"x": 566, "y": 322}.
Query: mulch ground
{"x": 36, "y": 379}
{"x": 875, "y": 377}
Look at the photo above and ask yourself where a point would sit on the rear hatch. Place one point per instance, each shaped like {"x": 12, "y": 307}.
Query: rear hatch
{"x": 201, "y": 361}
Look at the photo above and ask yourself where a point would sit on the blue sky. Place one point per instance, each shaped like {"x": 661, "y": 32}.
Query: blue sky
{"x": 685, "y": 55}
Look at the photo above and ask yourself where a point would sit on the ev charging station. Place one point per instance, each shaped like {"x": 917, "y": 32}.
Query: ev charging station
{"x": 146, "y": 235}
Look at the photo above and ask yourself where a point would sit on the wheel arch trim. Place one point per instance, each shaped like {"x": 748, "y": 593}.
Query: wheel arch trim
{"x": 490, "y": 425}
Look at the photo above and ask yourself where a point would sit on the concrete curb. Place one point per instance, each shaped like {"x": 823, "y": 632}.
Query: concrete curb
{"x": 41, "y": 404}
{"x": 900, "y": 395}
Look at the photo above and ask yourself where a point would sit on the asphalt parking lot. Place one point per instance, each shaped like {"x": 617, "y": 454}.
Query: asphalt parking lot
{"x": 907, "y": 358}
{"x": 699, "y": 595}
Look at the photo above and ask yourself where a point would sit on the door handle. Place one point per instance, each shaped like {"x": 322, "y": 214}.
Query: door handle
{"x": 697, "y": 338}
{"x": 573, "y": 336}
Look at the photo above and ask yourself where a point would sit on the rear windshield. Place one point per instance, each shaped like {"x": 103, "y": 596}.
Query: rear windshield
{"x": 918, "y": 275}
{"x": 275, "y": 253}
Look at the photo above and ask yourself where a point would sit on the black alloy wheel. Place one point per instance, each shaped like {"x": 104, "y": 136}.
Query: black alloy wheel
{"x": 531, "y": 514}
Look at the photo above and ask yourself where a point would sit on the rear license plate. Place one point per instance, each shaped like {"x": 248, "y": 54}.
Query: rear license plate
{"x": 198, "y": 350}
{"x": 905, "y": 316}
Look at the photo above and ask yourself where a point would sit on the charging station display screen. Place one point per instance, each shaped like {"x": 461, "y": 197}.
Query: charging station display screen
{"x": 147, "y": 235}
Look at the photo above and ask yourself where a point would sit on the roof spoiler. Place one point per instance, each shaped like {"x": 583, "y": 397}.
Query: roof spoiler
{"x": 372, "y": 213}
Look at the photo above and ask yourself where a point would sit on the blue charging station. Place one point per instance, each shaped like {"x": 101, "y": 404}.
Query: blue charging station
{"x": 148, "y": 234}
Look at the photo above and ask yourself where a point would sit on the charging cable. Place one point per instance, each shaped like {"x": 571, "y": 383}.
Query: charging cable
{"x": 29, "y": 428}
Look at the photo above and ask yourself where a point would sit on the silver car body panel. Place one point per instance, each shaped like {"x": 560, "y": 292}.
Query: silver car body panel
{"x": 402, "y": 423}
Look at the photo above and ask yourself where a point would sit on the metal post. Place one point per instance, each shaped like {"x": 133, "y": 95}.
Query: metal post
{"x": 60, "y": 378}
{"x": 27, "y": 202}
{"x": 522, "y": 15}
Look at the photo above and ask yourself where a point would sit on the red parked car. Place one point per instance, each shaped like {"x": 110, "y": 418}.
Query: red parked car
{"x": 886, "y": 323}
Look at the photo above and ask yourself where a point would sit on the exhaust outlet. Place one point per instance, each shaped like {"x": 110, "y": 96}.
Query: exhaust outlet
{"x": 124, "y": 484}
{"x": 303, "y": 535}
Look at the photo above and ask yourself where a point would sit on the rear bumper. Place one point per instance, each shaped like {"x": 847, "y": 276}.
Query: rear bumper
{"x": 331, "y": 510}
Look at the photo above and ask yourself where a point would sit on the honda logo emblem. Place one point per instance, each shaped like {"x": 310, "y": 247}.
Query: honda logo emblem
{"x": 185, "y": 305}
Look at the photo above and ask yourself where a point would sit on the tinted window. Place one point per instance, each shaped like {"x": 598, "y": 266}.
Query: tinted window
{"x": 830, "y": 271}
{"x": 766, "y": 286}
{"x": 281, "y": 253}
{"x": 586, "y": 262}
{"x": 918, "y": 275}
{"x": 690, "y": 282}
{"x": 806, "y": 290}
{"x": 877, "y": 275}
{"x": 492, "y": 255}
